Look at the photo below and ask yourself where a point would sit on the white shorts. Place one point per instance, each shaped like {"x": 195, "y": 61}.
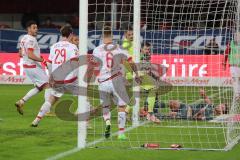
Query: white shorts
{"x": 113, "y": 89}
{"x": 71, "y": 88}
{"x": 38, "y": 76}
{"x": 56, "y": 93}
{"x": 235, "y": 71}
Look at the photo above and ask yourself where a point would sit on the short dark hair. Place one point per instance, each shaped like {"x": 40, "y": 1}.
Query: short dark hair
{"x": 66, "y": 30}
{"x": 146, "y": 44}
{"x": 29, "y": 23}
{"x": 107, "y": 31}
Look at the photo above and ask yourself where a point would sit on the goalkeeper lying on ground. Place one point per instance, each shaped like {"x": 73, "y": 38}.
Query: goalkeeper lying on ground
{"x": 198, "y": 111}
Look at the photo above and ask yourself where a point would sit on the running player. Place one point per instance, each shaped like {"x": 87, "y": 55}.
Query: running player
{"x": 111, "y": 80}
{"x": 30, "y": 52}
{"x": 60, "y": 53}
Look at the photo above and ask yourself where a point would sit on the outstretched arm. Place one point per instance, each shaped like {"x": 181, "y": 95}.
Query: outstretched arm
{"x": 32, "y": 56}
{"x": 134, "y": 68}
{"x": 207, "y": 100}
{"x": 200, "y": 114}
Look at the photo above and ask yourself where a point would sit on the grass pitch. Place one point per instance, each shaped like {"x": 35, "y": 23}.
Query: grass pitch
{"x": 19, "y": 141}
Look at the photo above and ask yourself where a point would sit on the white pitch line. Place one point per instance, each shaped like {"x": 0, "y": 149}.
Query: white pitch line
{"x": 64, "y": 154}
{"x": 74, "y": 150}
{"x": 115, "y": 134}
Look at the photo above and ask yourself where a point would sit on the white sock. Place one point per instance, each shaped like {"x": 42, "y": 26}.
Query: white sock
{"x": 47, "y": 94}
{"x": 106, "y": 114}
{"x": 121, "y": 122}
{"x": 108, "y": 122}
{"x": 30, "y": 93}
{"x": 44, "y": 109}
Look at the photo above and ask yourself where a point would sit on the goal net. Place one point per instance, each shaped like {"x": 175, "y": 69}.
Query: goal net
{"x": 195, "y": 100}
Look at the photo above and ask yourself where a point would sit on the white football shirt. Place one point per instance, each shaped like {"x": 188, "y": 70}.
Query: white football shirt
{"x": 60, "y": 53}
{"x": 111, "y": 57}
{"x": 27, "y": 43}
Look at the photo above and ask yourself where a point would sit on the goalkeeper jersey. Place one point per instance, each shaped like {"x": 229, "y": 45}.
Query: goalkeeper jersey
{"x": 148, "y": 79}
{"x": 208, "y": 113}
{"x": 183, "y": 110}
{"x": 128, "y": 45}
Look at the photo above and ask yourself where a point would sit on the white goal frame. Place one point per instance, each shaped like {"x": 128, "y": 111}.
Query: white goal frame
{"x": 82, "y": 99}
{"x": 83, "y": 36}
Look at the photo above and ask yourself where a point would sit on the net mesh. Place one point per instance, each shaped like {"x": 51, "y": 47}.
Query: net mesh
{"x": 196, "y": 104}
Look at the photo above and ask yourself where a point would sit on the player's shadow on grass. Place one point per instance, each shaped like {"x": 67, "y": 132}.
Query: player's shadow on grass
{"x": 63, "y": 111}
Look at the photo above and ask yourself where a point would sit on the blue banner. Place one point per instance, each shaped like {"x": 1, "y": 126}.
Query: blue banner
{"x": 163, "y": 42}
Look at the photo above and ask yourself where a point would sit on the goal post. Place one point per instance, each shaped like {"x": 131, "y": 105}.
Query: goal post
{"x": 136, "y": 57}
{"x": 83, "y": 49}
{"x": 233, "y": 135}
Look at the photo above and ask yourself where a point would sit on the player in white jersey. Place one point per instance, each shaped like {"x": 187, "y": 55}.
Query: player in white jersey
{"x": 30, "y": 52}
{"x": 60, "y": 53}
{"x": 111, "y": 80}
